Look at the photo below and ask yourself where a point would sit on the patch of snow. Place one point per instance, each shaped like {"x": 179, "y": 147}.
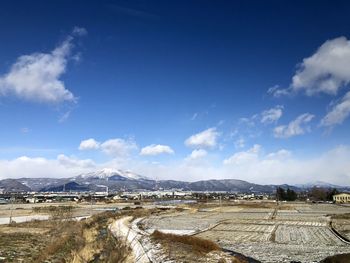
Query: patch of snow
{"x": 109, "y": 172}
{"x": 144, "y": 250}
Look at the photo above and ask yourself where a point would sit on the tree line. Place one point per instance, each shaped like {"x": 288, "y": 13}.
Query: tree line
{"x": 315, "y": 194}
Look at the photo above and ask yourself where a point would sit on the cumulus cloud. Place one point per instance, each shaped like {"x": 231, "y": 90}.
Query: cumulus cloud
{"x": 115, "y": 147}
{"x": 272, "y": 115}
{"x": 339, "y": 112}
{"x": 62, "y": 166}
{"x": 204, "y": 139}
{"x": 280, "y": 167}
{"x": 89, "y": 144}
{"x": 244, "y": 156}
{"x": 197, "y": 154}
{"x": 252, "y": 165}
{"x": 296, "y": 127}
{"x": 118, "y": 147}
{"x": 326, "y": 71}
{"x": 37, "y": 77}
{"x": 154, "y": 149}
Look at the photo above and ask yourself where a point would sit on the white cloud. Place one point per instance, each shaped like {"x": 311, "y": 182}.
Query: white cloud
{"x": 296, "y": 127}
{"x": 115, "y": 147}
{"x": 89, "y": 144}
{"x": 326, "y": 71}
{"x": 252, "y": 165}
{"x": 277, "y": 91}
{"x": 279, "y": 167}
{"x": 244, "y": 156}
{"x": 197, "y": 154}
{"x": 118, "y": 147}
{"x": 339, "y": 112}
{"x": 272, "y": 115}
{"x": 62, "y": 166}
{"x": 74, "y": 162}
{"x": 204, "y": 139}
{"x": 154, "y": 149}
{"x": 36, "y": 77}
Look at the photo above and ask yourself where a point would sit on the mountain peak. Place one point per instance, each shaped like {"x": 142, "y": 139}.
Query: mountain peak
{"x": 107, "y": 173}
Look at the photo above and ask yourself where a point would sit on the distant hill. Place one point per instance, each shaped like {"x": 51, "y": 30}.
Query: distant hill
{"x": 70, "y": 186}
{"x": 13, "y": 185}
{"x": 118, "y": 180}
{"x": 319, "y": 184}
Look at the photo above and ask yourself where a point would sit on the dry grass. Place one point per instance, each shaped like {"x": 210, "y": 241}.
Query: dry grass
{"x": 341, "y": 216}
{"x": 197, "y": 244}
{"x": 66, "y": 240}
{"x": 61, "y": 239}
{"x": 65, "y": 237}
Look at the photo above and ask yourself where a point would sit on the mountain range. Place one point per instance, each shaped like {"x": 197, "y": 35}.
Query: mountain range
{"x": 118, "y": 180}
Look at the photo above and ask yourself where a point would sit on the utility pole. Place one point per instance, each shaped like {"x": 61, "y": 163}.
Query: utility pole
{"x": 11, "y": 209}
{"x": 91, "y": 195}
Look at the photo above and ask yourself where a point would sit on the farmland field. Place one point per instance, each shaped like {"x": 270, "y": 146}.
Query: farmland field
{"x": 299, "y": 232}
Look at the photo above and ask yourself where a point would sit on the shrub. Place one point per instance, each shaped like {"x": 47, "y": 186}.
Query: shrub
{"x": 197, "y": 244}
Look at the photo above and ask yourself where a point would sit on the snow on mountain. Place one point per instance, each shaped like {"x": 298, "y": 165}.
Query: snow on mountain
{"x": 107, "y": 173}
{"x": 319, "y": 184}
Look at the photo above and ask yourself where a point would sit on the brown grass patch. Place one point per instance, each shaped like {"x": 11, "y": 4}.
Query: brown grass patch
{"x": 198, "y": 244}
{"x": 341, "y": 216}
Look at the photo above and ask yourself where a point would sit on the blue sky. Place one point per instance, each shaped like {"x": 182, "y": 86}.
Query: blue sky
{"x": 185, "y": 90}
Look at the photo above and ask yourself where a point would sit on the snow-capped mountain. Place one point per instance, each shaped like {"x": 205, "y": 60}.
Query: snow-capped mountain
{"x": 120, "y": 180}
{"x": 319, "y": 184}
{"x": 112, "y": 174}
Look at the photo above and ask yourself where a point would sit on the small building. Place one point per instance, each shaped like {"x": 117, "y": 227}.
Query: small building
{"x": 342, "y": 198}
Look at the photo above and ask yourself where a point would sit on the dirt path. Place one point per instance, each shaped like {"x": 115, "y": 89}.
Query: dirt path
{"x": 121, "y": 229}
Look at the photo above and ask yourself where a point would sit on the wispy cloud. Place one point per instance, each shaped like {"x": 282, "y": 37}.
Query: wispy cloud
{"x": 272, "y": 115}
{"x": 194, "y": 116}
{"x": 296, "y": 127}
{"x": 338, "y": 113}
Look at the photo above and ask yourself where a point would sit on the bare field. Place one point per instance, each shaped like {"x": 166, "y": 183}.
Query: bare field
{"x": 26, "y": 212}
{"x": 289, "y": 232}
